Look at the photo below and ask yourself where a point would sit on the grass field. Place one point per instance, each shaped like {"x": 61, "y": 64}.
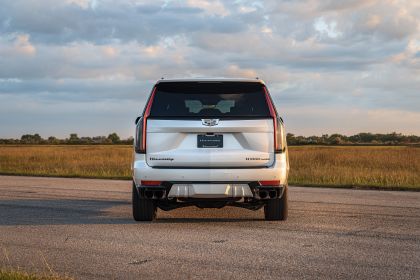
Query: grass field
{"x": 111, "y": 162}
{"x": 6, "y": 274}
{"x": 389, "y": 166}
{"x": 384, "y": 167}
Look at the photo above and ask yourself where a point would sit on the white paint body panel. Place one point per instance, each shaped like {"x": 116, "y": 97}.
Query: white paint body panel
{"x": 246, "y": 143}
{"x": 277, "y": 171}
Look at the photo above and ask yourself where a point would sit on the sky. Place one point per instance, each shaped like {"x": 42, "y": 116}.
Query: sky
{"x": 87, "y": 66}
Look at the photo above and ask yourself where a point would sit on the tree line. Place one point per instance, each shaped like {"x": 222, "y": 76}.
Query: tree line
{"x": 333, "y": 139}
{"x": 357, "y": 139}
{"x": 73, "y": 139}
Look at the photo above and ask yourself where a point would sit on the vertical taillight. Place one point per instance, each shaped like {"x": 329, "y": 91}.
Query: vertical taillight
{"x": 140, "y": 144}
{"x": 140, "y": 141}
{"x": 281, "y": 137}
{"x": 277, "y": 124}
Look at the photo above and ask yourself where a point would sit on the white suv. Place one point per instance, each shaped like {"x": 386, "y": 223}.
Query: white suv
{"x": 210, "y": 143}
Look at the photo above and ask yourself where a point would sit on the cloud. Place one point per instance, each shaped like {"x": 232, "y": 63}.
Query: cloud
{"x": 103, "y": 22}
{"x": 211, "y": 7}
{"x": 23, "y": 46}
{"x": 348, "y": 120}
{"x": 99, "y": 59}
{"x": 85, "y": 4}
{"x": 17, "y": 45}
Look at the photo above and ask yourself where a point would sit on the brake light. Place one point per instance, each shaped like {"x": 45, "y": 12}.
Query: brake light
{"x": 150, "y": 183}
{"x": 276, "y": 123}
{"x": 270, "y": 183}
{"x": 140, "y": 143}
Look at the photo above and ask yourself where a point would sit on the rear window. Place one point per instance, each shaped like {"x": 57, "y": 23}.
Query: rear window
{"x": 210, "y": 99}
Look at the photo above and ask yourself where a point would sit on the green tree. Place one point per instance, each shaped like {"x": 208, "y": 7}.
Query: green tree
{"x": 290, "y": 138}
{"x": 74, "y": 139}
{"x": 31, "y": 139}
{"x": 53, "y": 140}
{"x": 114, "y": 138}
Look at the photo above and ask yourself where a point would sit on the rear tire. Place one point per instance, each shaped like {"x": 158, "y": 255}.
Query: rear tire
{"x": 143, "y": 209}
{"x": 276, "y": 209}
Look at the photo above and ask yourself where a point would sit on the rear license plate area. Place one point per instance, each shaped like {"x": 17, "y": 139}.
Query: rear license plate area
{"x": 210, "y": 141}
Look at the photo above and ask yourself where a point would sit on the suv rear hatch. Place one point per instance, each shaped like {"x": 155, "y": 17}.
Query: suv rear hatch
{"x": 209, "y": 125}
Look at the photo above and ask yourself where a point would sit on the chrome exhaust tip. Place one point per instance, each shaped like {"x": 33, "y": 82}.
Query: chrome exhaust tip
{"x": 273, "y": 194}
{"x": 149, "y": 194}
{"x": 159, "y": 194}
{"x": 263, "y": 194}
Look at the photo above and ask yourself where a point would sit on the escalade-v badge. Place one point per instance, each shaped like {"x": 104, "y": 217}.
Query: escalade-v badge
{"x": 210, "y": 122}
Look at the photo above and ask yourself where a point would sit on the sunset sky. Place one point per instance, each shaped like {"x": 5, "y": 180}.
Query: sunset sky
{"x": 86, "y": 66}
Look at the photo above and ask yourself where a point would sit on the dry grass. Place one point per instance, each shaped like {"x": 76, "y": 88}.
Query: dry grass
{"x": 43, "y": 272}
{"x": 393, "y": 167}
{"x": 355, "y": 166}
{"x": 111, "y": 162}
{"x": 6, "y": 274}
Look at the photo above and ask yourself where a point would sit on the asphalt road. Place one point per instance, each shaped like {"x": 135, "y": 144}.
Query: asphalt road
{"x": 83, "y": 228}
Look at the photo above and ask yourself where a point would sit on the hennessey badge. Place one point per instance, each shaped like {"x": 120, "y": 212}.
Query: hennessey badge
{"x": 210, "y": 122}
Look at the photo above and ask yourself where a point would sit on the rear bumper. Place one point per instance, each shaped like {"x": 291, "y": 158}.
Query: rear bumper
{"x": 142, "y": 171}
{"x": 221, "y": 191}
{"x": 212, "y": 183}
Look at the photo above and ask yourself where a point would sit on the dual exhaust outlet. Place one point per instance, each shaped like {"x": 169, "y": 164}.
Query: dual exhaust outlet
{"x": 267, "y": 194}
{"x": 155, "y": 194}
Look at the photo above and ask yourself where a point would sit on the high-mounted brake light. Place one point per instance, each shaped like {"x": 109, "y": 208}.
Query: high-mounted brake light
{"x": 140, "y": 144}
{"x": 276, "y": 123}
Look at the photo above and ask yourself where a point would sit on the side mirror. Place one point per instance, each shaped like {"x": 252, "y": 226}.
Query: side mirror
{"x": 137, "y": 120}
